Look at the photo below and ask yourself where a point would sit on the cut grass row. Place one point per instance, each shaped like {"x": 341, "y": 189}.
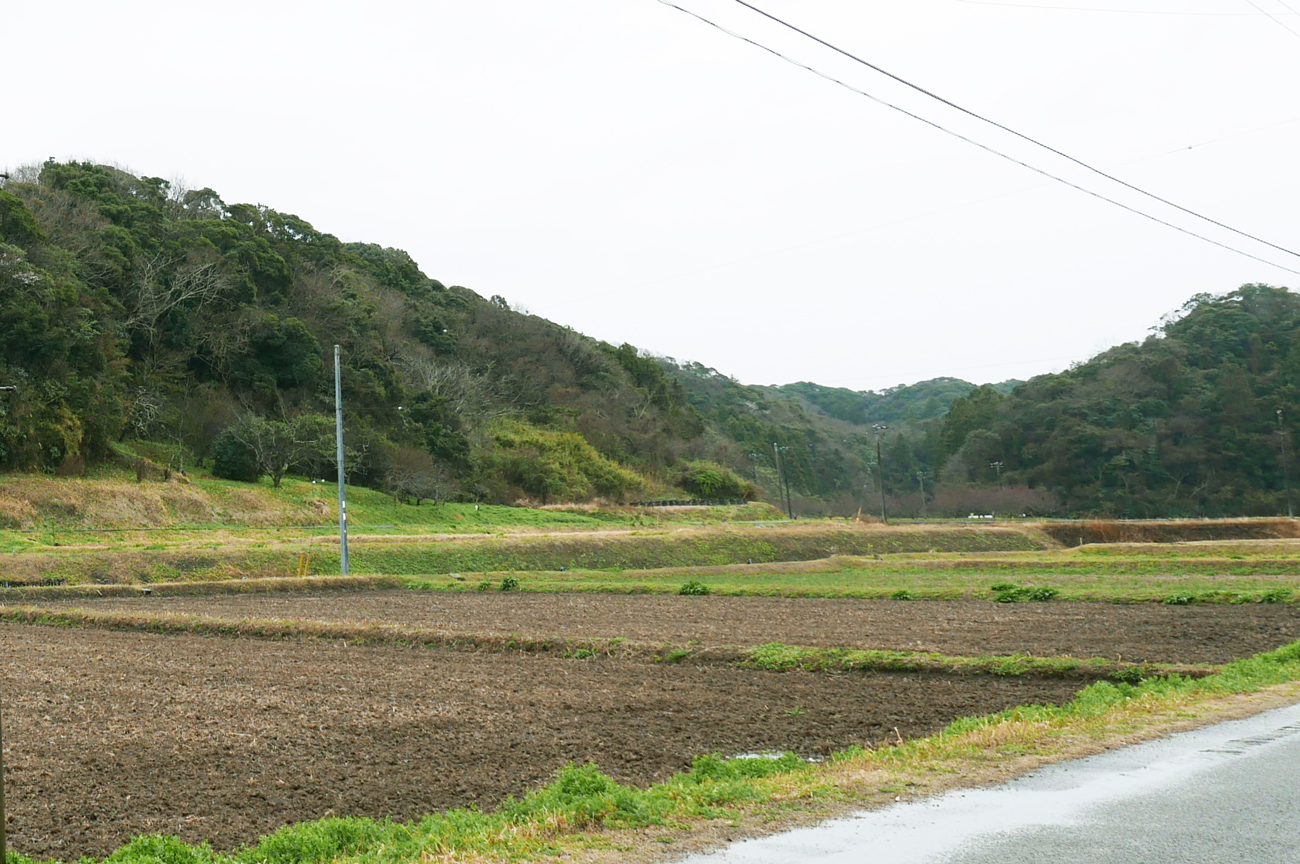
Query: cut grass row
{"x": 127, "y": 575}
{"x": 583, "y": 811}
{"x": 775, "y": 657}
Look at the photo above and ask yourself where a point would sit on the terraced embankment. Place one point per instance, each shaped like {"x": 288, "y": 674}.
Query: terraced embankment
{"x": 584, "y": 550}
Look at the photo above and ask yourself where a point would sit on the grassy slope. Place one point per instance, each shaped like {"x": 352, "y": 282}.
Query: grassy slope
{"x": 226, "y": 554}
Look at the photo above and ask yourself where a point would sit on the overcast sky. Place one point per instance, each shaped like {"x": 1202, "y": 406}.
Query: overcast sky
{"x": 622, "y": 168}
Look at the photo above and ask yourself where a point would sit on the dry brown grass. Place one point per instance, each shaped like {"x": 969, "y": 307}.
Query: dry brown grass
{"x": 29, "y": 502}
{"x": 1169, "y": 531}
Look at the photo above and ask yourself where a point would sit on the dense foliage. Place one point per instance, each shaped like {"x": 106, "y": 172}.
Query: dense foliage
{"x": 1192, "y": 421}
{"x": 133, "y": 309}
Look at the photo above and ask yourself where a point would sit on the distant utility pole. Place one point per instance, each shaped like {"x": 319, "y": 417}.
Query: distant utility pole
{"x": 1286, "y": 473}
{"x": 997, "y": 466}
{"x": 782, "y": 477}
{"x": 879, "y": 429}
{"x": 920, "y": 478}
{"x": 4, "y": 855}
{"x": 338, "y": 436}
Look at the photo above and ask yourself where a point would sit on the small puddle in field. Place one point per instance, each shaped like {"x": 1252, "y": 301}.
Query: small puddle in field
{"x": 772, "y": 754}
{"x": 932, "y": 831}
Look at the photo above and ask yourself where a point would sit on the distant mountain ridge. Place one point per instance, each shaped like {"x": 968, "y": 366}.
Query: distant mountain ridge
{"x": 906, "y": 404}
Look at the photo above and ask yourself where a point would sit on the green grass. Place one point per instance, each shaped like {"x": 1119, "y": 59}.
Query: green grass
{"x": 777, "y": 657}
{"x": 583, "y": 808}
{"x": 650, "y": 548}
{"x": 905, "y": 583}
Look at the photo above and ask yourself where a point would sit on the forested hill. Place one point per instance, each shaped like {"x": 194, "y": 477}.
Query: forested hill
{"x": 141, "y": 319}
{"x": 1192, "y": 421}
{"x": 141, "y": 322}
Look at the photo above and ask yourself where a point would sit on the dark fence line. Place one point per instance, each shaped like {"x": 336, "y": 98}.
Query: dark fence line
{"x": 719, "y": 502}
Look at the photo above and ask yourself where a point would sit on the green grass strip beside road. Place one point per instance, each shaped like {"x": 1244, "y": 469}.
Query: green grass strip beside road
{"x": 583, "y": 809}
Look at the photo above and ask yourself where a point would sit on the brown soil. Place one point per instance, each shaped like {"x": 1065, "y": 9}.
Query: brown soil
{"x": 1148, "y": 633}
{"x": 1169, "y": 531}
{"x": 111, "y": 735}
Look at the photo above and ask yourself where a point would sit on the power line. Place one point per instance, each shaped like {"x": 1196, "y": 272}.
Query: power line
{"x": 1275, "y": 19}
{"x": 783, "y": 249}
{"x": 989, "y": 149}
{"x": 1008, "y": 129}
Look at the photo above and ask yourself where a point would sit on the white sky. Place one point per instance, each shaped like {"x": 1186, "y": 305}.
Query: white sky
{"x": 619, "y": 167}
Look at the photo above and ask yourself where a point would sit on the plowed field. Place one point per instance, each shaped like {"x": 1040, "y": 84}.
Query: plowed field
{"x": 109, "y": 735}
{"x": 1143, "y": 632}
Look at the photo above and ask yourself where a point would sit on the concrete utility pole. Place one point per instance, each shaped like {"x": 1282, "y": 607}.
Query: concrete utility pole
{"x": 920, "y": 478}
{"x": 4, "y": 854}
{"x": 997, "y": 466}
{"x": 1286, "y": 472}
{"x": 879, "y": 429}
{"x": 782, "y": 479}
{"x": 343, "y": 495}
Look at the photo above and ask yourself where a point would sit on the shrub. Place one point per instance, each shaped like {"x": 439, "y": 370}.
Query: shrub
{"x": 234, "y": 460}
{"x": 710, "y": 480}
{"x": 1006, "y": 592}
{"x": 559, "y": 465}
{"x": 901, "y": 594}
{"x": 509, "y": 583}
{"x": 694, "y": 588}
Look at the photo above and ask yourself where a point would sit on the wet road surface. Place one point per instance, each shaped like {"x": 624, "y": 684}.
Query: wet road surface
{"x": 1224, "y": 793}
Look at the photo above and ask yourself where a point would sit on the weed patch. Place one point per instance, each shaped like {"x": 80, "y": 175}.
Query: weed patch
{"x": 1006, "y": 592}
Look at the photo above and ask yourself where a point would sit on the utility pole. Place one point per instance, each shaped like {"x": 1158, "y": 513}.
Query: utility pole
{"x": 920, "y": 478}
{"x": 997, "y": 466}
{"x": 782, "y": 477}
{"x": 4, "y": 853}
{"x": 880, "y": 470}
{"x": 338, "y": 436}
{"x": 1286, "y": 473}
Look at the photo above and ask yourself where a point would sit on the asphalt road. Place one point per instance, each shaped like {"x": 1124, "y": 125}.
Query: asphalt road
{"x": 1223, "y": 793}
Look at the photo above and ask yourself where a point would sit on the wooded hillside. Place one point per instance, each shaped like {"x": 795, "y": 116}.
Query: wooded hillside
{"x": 141, "y": 318}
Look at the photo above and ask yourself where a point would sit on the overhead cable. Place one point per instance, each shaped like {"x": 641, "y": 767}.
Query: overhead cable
{"x": 1276, "y": 20}
{"x": 918, "y": 88}
{"x": 982, "y": 146}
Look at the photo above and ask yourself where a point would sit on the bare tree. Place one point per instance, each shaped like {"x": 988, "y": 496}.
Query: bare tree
{"x": 470, "y": 394}
{"x": 413, "y": 474}
{"x": 197, "y": 282}
{"x": 280, "y": 445}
